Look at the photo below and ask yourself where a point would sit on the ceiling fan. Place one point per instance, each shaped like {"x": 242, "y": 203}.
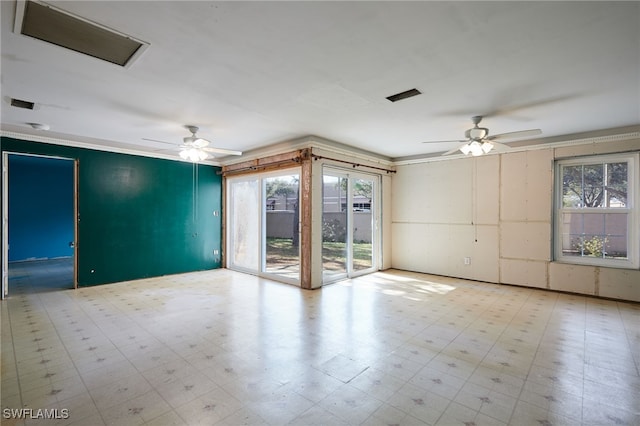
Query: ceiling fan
{"x": 195, "y": 148}
{"x": 478, "y": 141}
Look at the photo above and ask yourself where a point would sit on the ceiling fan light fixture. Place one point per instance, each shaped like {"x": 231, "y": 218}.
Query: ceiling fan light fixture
{"x": 193, "y": 154}
{"x": 486, "y": 147}
{"x": 476, "y": 148}
{"x": 478, "y": 141}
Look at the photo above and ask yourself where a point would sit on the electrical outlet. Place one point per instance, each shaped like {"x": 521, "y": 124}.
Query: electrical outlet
{"x": 467, "y": 261}
{"x": 216, "y": 252}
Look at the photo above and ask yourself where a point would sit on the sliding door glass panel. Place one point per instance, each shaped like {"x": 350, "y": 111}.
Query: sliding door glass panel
{"x": 281, "y": 224}
{"x": 244, "y": 232}
{"x": 362, "y": 191}
{"x": 334, "y": 227}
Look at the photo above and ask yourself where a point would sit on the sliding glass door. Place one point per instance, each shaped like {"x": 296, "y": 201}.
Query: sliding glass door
{"x": 244, "y": 224}
{"x": 281, "y": 255}
{"x": 363, "y": 223}
{"x": 263, "y": 225}
{"x": 349, "y": 224}
{"x": 335, "y": 256}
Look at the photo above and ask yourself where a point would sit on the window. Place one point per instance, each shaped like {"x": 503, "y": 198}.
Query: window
{"x": 596, "y": 216}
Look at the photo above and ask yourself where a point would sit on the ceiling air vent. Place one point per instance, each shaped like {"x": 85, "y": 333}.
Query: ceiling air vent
{"x": 404, "y": 95}
{"x": 55, "y": 26}
{"x": 19, "y": 103}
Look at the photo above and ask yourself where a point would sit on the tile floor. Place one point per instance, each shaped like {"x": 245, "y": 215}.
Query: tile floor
{"x": 391, "y": 348}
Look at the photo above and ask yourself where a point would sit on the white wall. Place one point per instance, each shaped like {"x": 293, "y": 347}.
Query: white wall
{"x": 497, "y": 210}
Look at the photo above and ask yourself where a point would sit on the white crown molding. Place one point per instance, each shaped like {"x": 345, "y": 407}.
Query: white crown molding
{"x": 311, "y": 141}
{"x": 337, "y": 148}
{"x": 558, "y": 142}
{"x": 115, "y": 149}
{"x": 598, "y": 139}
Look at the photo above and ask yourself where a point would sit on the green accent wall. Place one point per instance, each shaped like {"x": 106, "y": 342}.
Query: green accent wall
{"x": 139, "y": 217}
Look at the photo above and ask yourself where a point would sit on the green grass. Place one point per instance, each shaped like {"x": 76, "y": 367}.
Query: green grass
{"x": 280, "y": 251}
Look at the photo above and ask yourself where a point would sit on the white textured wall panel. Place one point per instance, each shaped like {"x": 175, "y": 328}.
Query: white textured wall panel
{"x": 619, "y": 284}
{"x": 408, "y": 193}
{"x": 385, "y": 222}
{"x": 435, "y": 193}
{"x": 572, "y": 278}
{"x": 527, "y": 186}
{"x": 485, "y": 257}
{"x": 410, "y": 247}
{"x": 497, "y": 210}
{"x": 523, "y": 272}
{"x": 525, "y": 240}
{"x": 487, "y": 194}
{"x": 454, "y": 192}
{"x": 460, "y": 245}
{"x": 539, "y": 190}
{"x": 440, "y": 248}
{"x": 513, "y": 184}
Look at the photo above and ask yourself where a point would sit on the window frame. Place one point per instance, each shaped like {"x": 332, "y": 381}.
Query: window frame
{"x": 632, "y": 210}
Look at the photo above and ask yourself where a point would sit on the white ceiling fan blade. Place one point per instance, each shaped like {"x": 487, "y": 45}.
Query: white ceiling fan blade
{"x": 500, "y": 147}
{"x": 222, "y": 151}
{"x": 515, "y": 135}
{"x": 156, "y": 140}
{"x": 451, "y": 141}
{"x": 506, "y": 98}
{"x": 452, "y": 151}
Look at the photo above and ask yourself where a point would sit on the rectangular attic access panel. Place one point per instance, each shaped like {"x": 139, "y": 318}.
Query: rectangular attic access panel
{"x": 56, "y": 26}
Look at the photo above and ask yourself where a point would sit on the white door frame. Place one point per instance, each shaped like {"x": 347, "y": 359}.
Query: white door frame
{"x": 375, "y": 229}
{"x": 5, "y": 225}
{"x": 260, "y": 224}
{"x": 5, "y": 217}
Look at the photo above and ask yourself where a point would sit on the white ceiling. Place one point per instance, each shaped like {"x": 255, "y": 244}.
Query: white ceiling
{"x": 252, "y": 74}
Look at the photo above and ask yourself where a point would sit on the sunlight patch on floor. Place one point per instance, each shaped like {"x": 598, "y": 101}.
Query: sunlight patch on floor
{"x": 395, "y": 285}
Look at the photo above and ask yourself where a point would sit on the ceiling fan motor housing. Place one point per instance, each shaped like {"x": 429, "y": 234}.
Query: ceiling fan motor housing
{"x": 477, "y": 133}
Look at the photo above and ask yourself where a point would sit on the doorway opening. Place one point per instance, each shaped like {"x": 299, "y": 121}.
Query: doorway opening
{"x": 39, "y": 223}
